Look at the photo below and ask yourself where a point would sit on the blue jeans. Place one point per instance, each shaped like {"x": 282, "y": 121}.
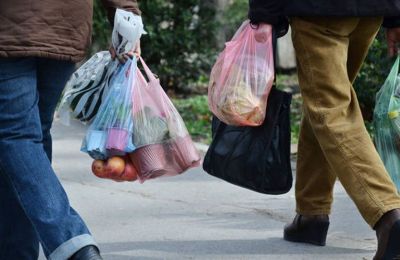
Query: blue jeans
{"x": 33, "y": 205}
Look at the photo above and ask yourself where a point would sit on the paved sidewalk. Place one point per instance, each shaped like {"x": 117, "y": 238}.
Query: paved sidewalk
{"x": 195, "y": 216}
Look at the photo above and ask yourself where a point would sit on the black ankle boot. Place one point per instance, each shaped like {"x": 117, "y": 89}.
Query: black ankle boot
{"x": 307, "y": 229}
{"x": 87, "y": 253}
{"x": 388, "y": 234}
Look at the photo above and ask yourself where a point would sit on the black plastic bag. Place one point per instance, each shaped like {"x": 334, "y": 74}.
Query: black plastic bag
{"x": 256, "y": 158}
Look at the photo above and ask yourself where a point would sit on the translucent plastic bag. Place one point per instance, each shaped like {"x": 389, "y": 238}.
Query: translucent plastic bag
{"x": 387, "y": 124}
{"x": 127, "y": 30}
{"x": 242, "y": 78}
{"x": 163, "y": 144}
{"x": 87, "y": 87}
{"x": 110, "y": 134}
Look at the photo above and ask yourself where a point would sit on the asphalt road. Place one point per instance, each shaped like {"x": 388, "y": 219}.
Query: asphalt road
{"x": 194, "y": 215}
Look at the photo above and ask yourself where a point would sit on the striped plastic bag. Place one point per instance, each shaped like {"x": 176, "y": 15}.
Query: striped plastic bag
{"x": 87, "y": 88}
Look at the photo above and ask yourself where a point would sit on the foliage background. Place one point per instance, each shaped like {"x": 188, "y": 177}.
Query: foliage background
{"x": 372, "y": 75}
{"x": 179, "y": 45}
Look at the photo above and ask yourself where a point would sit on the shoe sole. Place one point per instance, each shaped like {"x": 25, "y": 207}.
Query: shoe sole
{"x": 304, "y": 241}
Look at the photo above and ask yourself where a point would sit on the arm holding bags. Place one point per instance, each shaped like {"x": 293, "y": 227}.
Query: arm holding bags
{"x": 89, "y": 85}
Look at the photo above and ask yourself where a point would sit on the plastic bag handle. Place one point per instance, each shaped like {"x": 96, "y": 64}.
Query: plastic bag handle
{"x": 240, "y": 32}
{"x": 149, "y": 74}
{"x": 274, "y": 53}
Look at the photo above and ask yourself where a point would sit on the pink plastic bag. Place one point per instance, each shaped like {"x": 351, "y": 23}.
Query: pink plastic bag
{"x": 242, "y": 77}
{"x": 164, "y": 146}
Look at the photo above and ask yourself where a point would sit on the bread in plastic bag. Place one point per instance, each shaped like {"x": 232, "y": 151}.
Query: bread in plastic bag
{"x": 242, "y": 77}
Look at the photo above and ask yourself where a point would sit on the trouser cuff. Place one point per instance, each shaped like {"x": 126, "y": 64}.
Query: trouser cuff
{"x": 70, "y": 247}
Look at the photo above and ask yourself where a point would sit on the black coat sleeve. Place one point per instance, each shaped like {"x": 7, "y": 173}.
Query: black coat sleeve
{"x": 391, "y": 22}
{"x": 271, "y": 12}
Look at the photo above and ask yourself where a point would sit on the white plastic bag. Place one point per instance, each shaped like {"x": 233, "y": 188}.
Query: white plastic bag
{"x": 128, "y": 28}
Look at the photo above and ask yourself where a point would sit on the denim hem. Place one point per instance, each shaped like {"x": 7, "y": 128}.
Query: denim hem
{"x": 70, "y": 247}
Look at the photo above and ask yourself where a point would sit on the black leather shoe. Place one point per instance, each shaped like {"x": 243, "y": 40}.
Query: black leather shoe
{"x": 388, "y": 233}
{"x": 307, "y": 229}
{"x": 87, "y": 253}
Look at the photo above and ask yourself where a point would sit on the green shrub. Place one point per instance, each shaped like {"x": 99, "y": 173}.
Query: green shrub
{"x": 233, "y": 16}
{"x": 180, "y": 45}
{"x": 372, "y": 75}
{"x": 180, "y": 41}
{"x": 101, "y": 28}
{"x": 196, "y": 116}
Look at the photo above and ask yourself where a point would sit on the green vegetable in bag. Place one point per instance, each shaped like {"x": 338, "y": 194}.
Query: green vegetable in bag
{"x": 149, "y": 128}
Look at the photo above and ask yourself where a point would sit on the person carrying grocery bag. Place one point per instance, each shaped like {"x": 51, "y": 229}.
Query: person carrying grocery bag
{"x": 331, "y": 40}
{"x": 40, "y": 42}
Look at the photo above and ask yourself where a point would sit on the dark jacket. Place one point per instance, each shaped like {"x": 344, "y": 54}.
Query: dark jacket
{"x": 57, "y": 29}
{"x": 276, "y": 11}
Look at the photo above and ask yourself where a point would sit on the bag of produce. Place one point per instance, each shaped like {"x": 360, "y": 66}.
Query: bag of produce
{"x": 387, "y": 123}
{"x": 163, "y": 144}
{"x": 242, "y": 77}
